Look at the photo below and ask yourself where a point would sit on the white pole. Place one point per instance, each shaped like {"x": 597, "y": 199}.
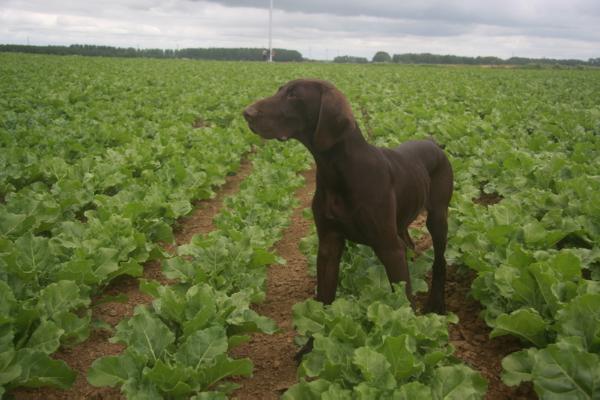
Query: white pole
{"x": 270, "y": 32}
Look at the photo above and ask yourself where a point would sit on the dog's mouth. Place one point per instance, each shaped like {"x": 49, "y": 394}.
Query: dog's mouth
{"x": 267, "y": 133}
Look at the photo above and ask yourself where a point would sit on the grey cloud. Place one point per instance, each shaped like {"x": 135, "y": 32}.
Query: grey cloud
{"x": 546, "y": 18}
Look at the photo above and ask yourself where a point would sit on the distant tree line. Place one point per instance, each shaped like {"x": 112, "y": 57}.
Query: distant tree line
{"x": 283, "y": 55}
{"x": 350, "y": 59}
{"x": 428, "y": 58}
{"x": 224, "y": 54}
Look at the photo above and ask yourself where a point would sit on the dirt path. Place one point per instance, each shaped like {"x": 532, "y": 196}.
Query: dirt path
{"x": 471, "y": 339}
{"x": 273, "y": 355}
{"x": 80, "y": 357}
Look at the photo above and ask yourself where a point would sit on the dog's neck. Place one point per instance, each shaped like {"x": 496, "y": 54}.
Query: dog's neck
{"x": 348, "y": 151}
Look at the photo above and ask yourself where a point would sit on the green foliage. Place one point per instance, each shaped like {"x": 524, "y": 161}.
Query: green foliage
{"x": 379, "y": 349}
{"x": 90, "y": 179}
{"x": 178, "y": 347}
{"x": 100, "y": 159}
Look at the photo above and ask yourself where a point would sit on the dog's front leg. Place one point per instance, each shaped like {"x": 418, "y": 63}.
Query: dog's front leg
{"x": 393, "y": 258}
{"x": 331, "y": 247}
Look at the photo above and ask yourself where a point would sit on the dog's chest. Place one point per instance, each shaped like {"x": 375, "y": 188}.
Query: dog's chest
{"x": 345, "y": 216}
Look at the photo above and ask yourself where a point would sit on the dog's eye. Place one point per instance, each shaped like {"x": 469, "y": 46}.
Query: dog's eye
{"x": 291, "y": 93}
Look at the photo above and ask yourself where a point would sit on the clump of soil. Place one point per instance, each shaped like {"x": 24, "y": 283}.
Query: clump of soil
{"x": 200, "y": 123}
{"x": 488, "y": 199}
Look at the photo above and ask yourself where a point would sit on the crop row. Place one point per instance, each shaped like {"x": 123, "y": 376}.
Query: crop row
{"x": 70, "y": 223}
{"x": 177, "y": 347}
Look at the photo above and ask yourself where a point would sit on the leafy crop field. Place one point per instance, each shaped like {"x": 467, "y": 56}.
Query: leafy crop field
{"x": 101, "y": 159}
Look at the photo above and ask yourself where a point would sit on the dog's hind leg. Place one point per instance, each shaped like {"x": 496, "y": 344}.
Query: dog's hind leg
{"x": 437, "y": 225}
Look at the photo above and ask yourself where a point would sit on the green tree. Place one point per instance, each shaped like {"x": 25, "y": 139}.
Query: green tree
{"x": 382, "y": 56}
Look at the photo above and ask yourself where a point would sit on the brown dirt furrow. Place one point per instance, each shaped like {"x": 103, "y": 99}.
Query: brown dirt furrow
{"x": 273, "y": 355}
{"x": 471, "y": 338}
{"x": 81, "y": 356}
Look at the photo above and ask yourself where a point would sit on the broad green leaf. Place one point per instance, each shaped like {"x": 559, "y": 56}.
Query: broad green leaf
{"x": 367, "y": 391}
{"x": 309, "y": 317}
{"x": 144, "y": 334}
{"x": 348, "y": 331}
{"x": 374, "y": 367}
{"x": 412, "y": 391}
{"x": 248, "y": 320}
{"x": 171, "y": 379}
{"x": 38, "y": 369}
{"x": 61, "y": 296}
{"x": 80, "y": 271}
{"x": 33, "y": 255}
{"x": 46, "y": 338}
{"x": 564, "y": 371}
{"x": 141, "y": 390}
{"x": 210, "y": 396}
{"x": 237, "y": 340}
{"x": 76, "y": 329}
{"x": 224, "y": 367}
{"x": 400, "y": 352}
{"x": 170, "y": 304}
{"x": 7, "y": 302}
{"x": 201, "y": 347}
{"x": 303, "y": 390}
{"x": 524, "y": 323}
{"x": 518, "y": 367}
{"x": 9, "y": 371}
{"x": 179, "y": 268}
{"x": 262, "y": 257}
{"x": 581, "y": 317}
{"x": 457, "y": 382}
{"x": 108, "y": 371}
{"x": 12, "y": 225}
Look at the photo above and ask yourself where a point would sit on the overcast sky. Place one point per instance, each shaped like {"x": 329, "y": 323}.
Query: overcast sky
{"x": 318, "y": 29}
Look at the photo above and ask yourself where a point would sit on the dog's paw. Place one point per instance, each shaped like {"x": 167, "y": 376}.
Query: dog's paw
{"x": 437, "y": 307}
{"x": 307, "y": 348}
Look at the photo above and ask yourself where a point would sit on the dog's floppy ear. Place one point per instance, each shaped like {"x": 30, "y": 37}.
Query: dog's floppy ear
{"x": 335, "y": 118}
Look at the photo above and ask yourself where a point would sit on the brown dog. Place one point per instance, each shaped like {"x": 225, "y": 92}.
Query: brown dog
{"x": 364, "y": 193}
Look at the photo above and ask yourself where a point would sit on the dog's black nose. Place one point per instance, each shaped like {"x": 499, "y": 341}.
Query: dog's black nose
{"x": 250, "y": 112}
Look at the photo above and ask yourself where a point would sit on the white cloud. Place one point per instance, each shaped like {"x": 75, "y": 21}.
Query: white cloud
{"x": 533, "y": 28}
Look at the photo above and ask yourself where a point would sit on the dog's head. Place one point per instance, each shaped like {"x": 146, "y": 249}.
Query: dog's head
{"x": 310, "y": 110}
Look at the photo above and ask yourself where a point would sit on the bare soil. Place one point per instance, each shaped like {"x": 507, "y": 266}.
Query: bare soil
{"x": 471, "y": 338}
{"x": 200, "y": 123}
{"x": 488, "y": 199}
{"x": 81, "y": 356}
